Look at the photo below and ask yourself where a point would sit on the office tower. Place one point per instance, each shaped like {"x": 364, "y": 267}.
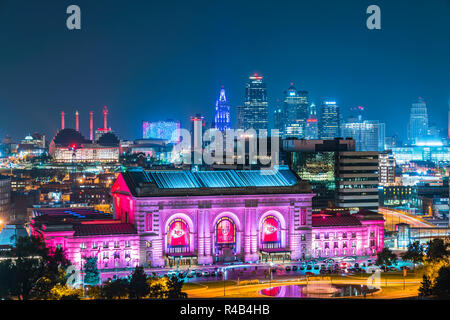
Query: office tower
{"x": 418, "y": 121}
{"x": 165, "y": 130}
{"x": 312, "y": 124}
{"x": 357, "y": 180}
{"x": 368, "y": 134}
{"x": 316, "y": 162}
{"x": 386, "y": 171}
{"x": 329, "y": 121}
{"x": 222, "y": 112}
{"x": 295, "y": 105}
{"x": 339, "y": 176}
{"x": 255, "y": 111}
{"x": 279, "y": 118}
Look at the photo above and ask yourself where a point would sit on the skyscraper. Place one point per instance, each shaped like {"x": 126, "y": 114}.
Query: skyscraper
{"x": 295, "y": 106}
{"x": 255, "y": 111}
{"x": 418, "y": 121}
{"x": 312, "y": 124}
{"x": 329, "y": 120}
{"x": 222, "y": 112}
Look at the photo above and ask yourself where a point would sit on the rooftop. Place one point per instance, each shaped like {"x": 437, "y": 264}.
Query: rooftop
{"x": 154, "y": 183}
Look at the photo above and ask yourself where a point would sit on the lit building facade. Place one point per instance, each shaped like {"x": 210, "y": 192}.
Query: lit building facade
{"x": 368, "y": 134}
{"x": 165, "y": 130}
{"x": 312, "y": 124}
{"x": 386, "y": 168}
{"x": 5, "y": 199}
{"x": 295, "y": 106}
{"x": 183, "y": 218}
{"x": 330, "y": 121}
{"x": 70, "y": 146}
{"x": 254, "y": 114}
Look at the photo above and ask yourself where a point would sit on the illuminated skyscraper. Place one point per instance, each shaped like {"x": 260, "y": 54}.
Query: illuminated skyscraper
{"x": 329, "y": 121}
{"x": 254, "y": 114}
{"x": 222, "y": 112}
{"x": 296, "y": 112}
{"x": 312, "y": 124}
{"x": 418, "y": 121}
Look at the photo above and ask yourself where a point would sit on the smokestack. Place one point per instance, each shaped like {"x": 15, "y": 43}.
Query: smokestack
{"x": 62, "y": 120}
{"x": 105, "y": 116}
{"x": 91, "y": 126}
{"x": 77, "y": 123}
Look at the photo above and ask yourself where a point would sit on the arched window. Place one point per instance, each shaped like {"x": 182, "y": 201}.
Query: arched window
{"x": 225, "y": 231}
{"x": 178, "y": 236}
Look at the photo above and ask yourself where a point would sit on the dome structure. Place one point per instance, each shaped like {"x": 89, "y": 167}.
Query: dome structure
{"x": 108, "y": 139}
{"x": 69, "y": 137}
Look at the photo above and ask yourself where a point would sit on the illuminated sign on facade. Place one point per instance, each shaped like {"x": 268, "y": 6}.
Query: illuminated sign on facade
{"x": 178, "y": 233}
{"x": 270, "y": 230}
{"x": 225, "y": 231}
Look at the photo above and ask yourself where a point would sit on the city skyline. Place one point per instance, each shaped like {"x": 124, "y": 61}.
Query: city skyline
{"x": 383, "y": 69}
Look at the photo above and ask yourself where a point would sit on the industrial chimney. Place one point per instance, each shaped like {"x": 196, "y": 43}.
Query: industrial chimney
{"x": 105, "y": 116}
{"x": 91, "y": 126}
{"x": 62, "y": 120}
{"x": 77, "y": 123}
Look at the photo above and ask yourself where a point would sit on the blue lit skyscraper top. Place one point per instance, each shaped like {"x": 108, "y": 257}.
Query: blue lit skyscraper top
{"x": 222, "y": 113}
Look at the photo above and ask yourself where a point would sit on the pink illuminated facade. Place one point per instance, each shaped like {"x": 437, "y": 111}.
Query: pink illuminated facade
{"x": 184, "y": 218}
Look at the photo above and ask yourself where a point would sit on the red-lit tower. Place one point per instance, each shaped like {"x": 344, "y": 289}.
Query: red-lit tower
{"x": 91, "y": 126}
{"x": 62, "y": 120}
{"x": 77, "y": 123}
{"x": 105, "y": 118}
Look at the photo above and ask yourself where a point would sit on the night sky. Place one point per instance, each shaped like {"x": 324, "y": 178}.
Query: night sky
{"x": 153, "y": 60}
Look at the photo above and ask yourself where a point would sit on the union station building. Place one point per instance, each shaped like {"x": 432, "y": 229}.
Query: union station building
{"x": 188, "y": 218}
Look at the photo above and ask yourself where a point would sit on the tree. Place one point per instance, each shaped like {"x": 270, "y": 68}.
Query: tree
{"x": 386, "y": 258}
{"x": 32, "y": 269}
{"x": 437, "y": 249}
{"x": 174, "y": 287}
{"x": 426, "y": 287}
{"x": 112, "y": 289}
{"x": 91, "y": 273}
{"x": 415, "y": 252}
{"x": 138, "y": 283}
{"x": 441, "y": 286}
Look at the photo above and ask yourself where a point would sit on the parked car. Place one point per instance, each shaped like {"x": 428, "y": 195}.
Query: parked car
{"x": 190, "y": 275}
{"x": 219, "y": 274}
{"x": 294, "y": 268}
{"x": 302, "y": 268}
{"x": 316, "y": 267}
{"x": 288, "y": 268}
{"x": 309, "y": 267}
{"x": 198, "y": 274}
{"x": 212, "y": 273}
